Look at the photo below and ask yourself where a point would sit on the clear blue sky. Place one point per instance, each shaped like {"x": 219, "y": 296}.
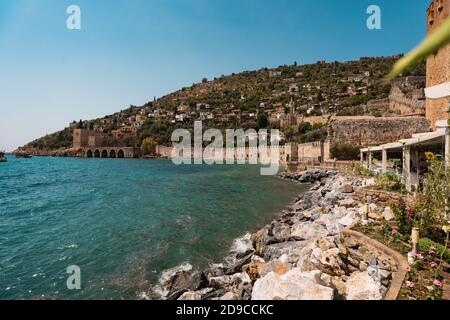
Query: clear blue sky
{"x": 131, "y": 50}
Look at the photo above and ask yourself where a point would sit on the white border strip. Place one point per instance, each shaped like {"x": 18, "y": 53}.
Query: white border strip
{"x": 439, "y": 91}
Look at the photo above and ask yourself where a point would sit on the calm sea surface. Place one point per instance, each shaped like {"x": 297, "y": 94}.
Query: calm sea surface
{"x": 122, "y": 221}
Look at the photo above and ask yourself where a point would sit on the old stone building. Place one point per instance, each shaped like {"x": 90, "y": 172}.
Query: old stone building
{"x": 87, "y": 138}
{"x": 407, "y": 96}
{"x": 92, "y": 144}
{"x": 80, "y": 138}
{"x": 438, "y": 65}
{"x": 367, "y": 131}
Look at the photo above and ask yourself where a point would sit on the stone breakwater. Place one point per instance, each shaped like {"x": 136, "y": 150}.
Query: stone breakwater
{"x": 301, "y": 255}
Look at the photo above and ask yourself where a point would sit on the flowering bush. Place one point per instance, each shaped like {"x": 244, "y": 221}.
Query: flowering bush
{"x": 422, "y": 280}
{"x": 426, "y": 244}
{"x": 405, "y": 219}
{"x": 432, "y": 206}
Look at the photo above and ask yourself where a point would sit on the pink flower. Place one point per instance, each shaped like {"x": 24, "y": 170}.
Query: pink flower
{"x": 409, "y": 214}
{"x": 394, "y": 231}
{"x": 432, "y": 250}
{"x": 437, "y": 283}
{"x": 433, "y": 264}
{"x": 419, "y": 256}
{"x": 410, "y": 284}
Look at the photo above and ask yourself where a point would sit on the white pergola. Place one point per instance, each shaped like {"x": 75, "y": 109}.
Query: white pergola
{"x": 440, "y": 136}
{"x": 406, "y": 147}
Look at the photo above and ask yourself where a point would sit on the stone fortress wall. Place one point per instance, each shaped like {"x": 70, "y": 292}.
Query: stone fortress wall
{"x": 407, "y": 96}
{"x": 91, "y": 144}
{"x": 368, "y": 131}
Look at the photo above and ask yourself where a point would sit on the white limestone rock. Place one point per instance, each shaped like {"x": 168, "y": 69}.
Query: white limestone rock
{"x": 368, "y": 182}
{"x": 348, "y": 219}
{"x": 361, "y": 286}
{"x": 294, "y": 285}
{"x": 388, "y": 215}
{"x": 307, "y": 230}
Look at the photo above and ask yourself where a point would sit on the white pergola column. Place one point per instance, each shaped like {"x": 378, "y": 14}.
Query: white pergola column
{"x": 407, "y": 167}
{"x": 370, "y": 160}
{"x": 447, "y": 147}
{"x": 384, "y": 160}
{"x": 361, "y": 156}
{"x": 417, "y": 168}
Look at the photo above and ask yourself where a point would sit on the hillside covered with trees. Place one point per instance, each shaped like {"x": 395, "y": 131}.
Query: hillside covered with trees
{"x": 250, "y": 99}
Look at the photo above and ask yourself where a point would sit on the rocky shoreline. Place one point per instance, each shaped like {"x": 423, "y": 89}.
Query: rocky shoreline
{"x": 302, "y": 254}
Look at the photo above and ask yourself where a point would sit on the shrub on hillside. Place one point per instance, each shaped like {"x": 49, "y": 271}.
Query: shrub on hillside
{"x": 344, "y": 152}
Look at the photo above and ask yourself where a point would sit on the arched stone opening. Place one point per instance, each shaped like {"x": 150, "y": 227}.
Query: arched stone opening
{"x": 112, "y": 154}
{"x": 120, "y": 154}
{"x": 97, "y": 153}
{"x": 104, "y": 154}
{"x": 89, "y": 154}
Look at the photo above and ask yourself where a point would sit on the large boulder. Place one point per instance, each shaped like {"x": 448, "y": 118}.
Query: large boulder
{"x": 348, "y": 203}
{"x": 229, "y": 280}
{"x": 303, "y": 204}
{"x": 260, "y": 240}
{"x": 238, "y": 264}
{"x": 175, "y": 282}
{"x": 346, "y": 188}
{"x": 307, "y": 230}
{"x": 348, "y": 219}
{"x": 279, "y": 266}
{"x": 305, "y": 177}
{"x": 330, "y": 261}
{"x": 195, "y": 295}
{"x": 339, "y": 285}
{"x": 330, "y": 198}
{"x": 281, "y": 232}
{"x": 361, "y": 286}
{"x": 293, "y": 285}
{"x": 275, "y": 251}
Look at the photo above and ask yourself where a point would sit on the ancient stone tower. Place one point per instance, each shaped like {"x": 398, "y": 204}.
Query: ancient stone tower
{"x": 80, "y": 138}
{"x": 438, "y": 65}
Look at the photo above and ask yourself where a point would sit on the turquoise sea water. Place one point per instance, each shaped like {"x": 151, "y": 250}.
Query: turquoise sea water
{"x": 121, "y": 221}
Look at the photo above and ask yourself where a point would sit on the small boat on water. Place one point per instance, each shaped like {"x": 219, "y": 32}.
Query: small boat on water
{"x": 23, "y": 154}
{"x": 3, "y": 156}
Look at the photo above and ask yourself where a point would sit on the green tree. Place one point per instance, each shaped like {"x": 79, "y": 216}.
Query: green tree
{"x": 304, "y": 127}
{"x": 262, "y": 121}
{"x": 344, "y": 152}
{"x": 148, "y": 146}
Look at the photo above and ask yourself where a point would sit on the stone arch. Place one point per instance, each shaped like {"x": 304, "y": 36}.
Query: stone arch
{"x": 97, "y": 153}
{"x": 89, "y": 154}
{"x": 112, "y": 154}
{"x": 105, "y": 154}
{"x": 120, "y": 154}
